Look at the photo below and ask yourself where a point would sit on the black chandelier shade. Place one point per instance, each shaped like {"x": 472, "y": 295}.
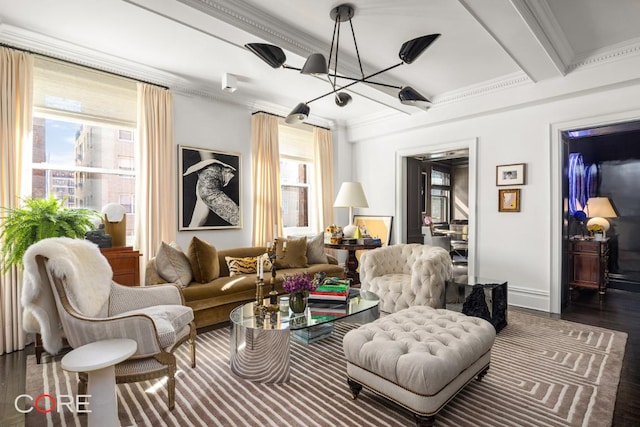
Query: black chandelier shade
{"x": 272, "y": 55}
{"x": 316, "y": 64}
{"x": 298, "y": 114}
{"x": 411, "y": 50}
{"x": 410, "y": 96}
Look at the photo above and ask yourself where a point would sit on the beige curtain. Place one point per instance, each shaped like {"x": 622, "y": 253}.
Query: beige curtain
{"x": 323, "y": 159}
{"x": 267, "y": 217}
{"x": 156, "y": 208}
{"x": 16, "y": 97}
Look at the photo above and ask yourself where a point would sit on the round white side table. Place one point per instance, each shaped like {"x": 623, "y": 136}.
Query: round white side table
{"x": 98, "y": 360}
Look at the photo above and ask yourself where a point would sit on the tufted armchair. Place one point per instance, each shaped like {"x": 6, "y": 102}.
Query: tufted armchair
{"x": 68, "y": 292}
{"x": 405, "y": 275}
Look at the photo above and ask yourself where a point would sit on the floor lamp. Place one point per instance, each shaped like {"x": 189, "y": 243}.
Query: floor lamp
{"x": 351, "y": 195}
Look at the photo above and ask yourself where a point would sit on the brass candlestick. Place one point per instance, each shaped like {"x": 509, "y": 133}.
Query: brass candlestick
{"x": 259, "y": 308}
{"x": 273, "y": 294}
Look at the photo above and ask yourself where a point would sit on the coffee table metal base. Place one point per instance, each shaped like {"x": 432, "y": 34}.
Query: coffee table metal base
{"x": 260, "y": 355}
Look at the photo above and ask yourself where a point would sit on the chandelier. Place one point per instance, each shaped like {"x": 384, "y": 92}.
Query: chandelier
{"x": 317, "y": 65}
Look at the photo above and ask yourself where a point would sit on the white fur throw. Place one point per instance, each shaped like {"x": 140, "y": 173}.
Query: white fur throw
{"x": 87, "y": 277}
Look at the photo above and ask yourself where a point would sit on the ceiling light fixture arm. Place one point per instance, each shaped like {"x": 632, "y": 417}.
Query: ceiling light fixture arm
{"x": 355, "y": 43}
{"x": 363, "y": 80}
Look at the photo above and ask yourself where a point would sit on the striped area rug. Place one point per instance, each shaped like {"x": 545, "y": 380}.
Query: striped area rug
{"x": 544, "y": 372}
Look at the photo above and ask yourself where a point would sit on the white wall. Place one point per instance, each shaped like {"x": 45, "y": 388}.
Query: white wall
{"x": 208, "y": 123}
{"x": 517, "y": 247}
{"x": 205, "y": 123}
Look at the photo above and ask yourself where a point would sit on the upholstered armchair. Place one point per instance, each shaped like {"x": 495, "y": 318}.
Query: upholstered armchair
{"x": 67, "y": 282}
{"x": 405, "y": 275}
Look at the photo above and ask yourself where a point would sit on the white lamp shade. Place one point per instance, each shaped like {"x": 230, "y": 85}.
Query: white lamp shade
{"x": 600, "y": 206}
{"x": 351, "y": 195}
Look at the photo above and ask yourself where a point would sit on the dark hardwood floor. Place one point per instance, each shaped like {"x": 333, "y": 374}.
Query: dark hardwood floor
{"x": 620, "y": 310}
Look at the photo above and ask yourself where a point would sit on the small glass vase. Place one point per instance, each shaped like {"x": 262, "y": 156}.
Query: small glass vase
{"x": 298, "y": 302}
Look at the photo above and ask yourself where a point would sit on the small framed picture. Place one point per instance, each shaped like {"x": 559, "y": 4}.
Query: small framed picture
{"x": 509, "y": 200}
{"x": 510, "y": 174}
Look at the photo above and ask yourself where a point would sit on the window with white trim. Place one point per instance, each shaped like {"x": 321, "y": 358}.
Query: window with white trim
{"x": 296, "y": 179}
{"x": 84, "y": 143}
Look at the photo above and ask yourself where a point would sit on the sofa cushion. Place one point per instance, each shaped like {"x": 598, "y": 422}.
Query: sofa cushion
{"x": 203, "y": 258}
{"x": 173, "y": 265}
{"x": 246, "y": 265}
{"x": 295, "y": 255}
{"x": 315, "y": 250}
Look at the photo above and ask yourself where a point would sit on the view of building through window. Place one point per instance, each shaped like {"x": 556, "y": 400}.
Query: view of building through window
{"x": 440, "y": 195}
{"x": 86, "y": 165}
{"x": 296, "y": 179}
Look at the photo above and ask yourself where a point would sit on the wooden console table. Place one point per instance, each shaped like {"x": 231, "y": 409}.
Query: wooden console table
{"x": 125, "y": 263}
{"x": 352, "y": 261}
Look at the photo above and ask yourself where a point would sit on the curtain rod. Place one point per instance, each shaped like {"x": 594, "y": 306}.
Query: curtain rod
{"x": 282, "y": 117}
{"x": 113, "y": 73}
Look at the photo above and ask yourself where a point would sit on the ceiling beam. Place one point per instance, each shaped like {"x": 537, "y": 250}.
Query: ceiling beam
{"x": 521, "y": 28}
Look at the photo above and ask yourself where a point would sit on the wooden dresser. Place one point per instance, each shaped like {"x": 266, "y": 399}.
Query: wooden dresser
{"x": 125, "y": 263}
{"x": 588, "y": 264}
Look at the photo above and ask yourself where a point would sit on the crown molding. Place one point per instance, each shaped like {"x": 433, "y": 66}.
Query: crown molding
{"x": 74, "y": 53}
{"x": 485, "y": 88}
{"x": 614, "y": 53}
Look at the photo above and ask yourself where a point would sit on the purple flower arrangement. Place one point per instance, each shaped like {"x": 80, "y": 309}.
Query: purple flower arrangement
{"x": 300, "y": 282}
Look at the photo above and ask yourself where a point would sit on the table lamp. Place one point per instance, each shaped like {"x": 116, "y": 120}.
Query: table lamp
{"x": 598, "y": 209}
{"x": 351, "y": 195}
{"x": 115, "y": 223}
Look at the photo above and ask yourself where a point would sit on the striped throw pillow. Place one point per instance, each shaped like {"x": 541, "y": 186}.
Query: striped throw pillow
{"x": 246, "y": 265}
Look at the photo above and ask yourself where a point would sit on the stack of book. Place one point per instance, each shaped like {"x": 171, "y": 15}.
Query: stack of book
{"x": 331, "y": 290}
{"x": 321, "y": 313}
{"x": 314, "y": 333}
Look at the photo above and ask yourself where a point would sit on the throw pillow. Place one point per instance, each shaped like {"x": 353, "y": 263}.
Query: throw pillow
{"x": 315, "y": 250}
{"x": 203, "y": 258}
{"x": 295, "y": 255}
{"x": 246, "y": 265}
{"x": 173, "y": 266}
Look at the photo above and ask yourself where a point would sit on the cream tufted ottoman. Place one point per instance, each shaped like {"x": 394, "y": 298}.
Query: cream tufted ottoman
{"x": 419, "y": 357}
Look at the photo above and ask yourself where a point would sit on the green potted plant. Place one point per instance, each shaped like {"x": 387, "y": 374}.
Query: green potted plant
{"x": 39, "y": 219}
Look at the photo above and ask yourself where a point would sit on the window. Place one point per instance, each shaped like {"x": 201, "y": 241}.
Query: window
{"x": 83, "y": 137}
{"x": 296, "y": 179}
{"x": 440, "y": 194}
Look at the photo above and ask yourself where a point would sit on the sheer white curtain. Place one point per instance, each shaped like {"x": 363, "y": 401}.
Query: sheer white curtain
{"x": 16, "y": 98}
{"x": 267, "y": 198}
{"x": 156, "y": 212}
{"x": 323, "y": 160}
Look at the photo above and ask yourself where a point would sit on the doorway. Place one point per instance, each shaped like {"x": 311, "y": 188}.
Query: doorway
{"x": 412, "y": 206}
{"x": 610, "y": 155}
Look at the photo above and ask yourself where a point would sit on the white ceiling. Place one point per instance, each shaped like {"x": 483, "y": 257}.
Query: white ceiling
{"x": 188, "y": 44}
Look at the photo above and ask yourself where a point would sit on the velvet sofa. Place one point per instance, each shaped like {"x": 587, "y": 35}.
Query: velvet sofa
{"x": 213, "y": 300}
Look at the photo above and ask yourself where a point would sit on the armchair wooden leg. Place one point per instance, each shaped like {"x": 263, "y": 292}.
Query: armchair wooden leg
{"x": 171, "y": 388}
{"x": 192, "y": 345}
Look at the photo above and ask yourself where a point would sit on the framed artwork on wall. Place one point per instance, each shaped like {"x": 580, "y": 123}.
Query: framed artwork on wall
{"x": 510, "y": 174}
{"x": 509, "y": 200}
{"x": 209, "y": 190}
{"x": 376, "y": 225}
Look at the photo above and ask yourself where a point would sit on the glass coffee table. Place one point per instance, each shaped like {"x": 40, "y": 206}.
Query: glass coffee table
{"x": 259, "y": 347}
